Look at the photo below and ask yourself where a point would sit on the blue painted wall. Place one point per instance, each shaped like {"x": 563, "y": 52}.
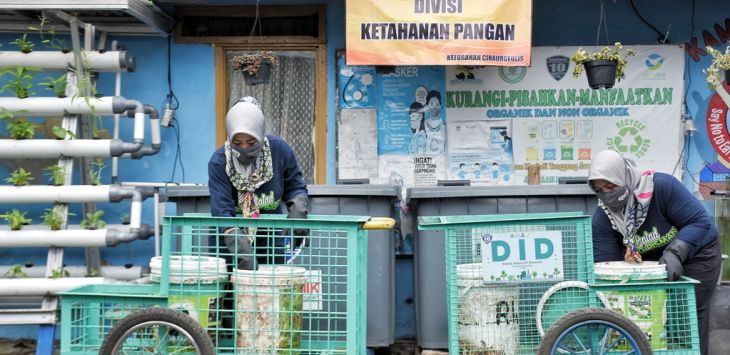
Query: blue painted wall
{"x": 556, "y": 22}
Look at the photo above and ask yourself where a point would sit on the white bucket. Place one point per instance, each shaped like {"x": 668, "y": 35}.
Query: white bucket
{"x": 269, "y": 309}
{"x": 646, "y": 308}
{"x": 196, "y": 286}
{"x": 487, "y": 313}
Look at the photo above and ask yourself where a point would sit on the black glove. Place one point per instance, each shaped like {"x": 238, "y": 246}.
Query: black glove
{"x": 240, "y": 245}
{"x": 675, "y": 254}
{"x": 298, "y": 207}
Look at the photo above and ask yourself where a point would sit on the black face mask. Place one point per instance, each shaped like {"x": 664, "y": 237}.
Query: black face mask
{"x": 615, "y": 200}
{"x": 247, "y": 155}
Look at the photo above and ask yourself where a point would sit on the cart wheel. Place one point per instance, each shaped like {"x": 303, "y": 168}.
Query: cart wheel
{"x": 157, "y": 331}
{"x": 594, "y": 331}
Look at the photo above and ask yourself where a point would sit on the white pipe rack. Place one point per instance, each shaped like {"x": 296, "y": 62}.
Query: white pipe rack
{"x": 108, "y": 61}
{"x": 59, "y": 194}
{"x": 54, "y": 148}
{"x": 112, "y": 272}
{"x": 57, "y": 107}
{"x": 48, "y": 238}
{"x": 43, "y": 287}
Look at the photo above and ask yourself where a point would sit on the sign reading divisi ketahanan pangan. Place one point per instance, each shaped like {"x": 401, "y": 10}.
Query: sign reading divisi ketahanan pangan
{"x": 439, "y": 32}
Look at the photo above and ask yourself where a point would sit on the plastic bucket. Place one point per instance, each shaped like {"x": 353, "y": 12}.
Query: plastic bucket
{"x": 269, "y": 309}
{"x": 646, "y": 308}
{"x": 196, "y": 286}
{"x": 487, "y": 313}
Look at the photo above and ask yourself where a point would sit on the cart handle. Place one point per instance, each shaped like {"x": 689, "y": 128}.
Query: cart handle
{"x": 379, "y": 223}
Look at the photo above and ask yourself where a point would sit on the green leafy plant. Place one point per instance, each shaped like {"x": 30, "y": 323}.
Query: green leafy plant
{"x": 95, "y": 171}
{"x": 15, "y": 272}
{"x": 57, "y": 85}
{"x": 56, "y": 174}
{"x": 19, "y": 177}
{"x": 21, "y": 130}
{"x": 59, "y": 273}
{"x": 16, "y": 219}
{"x": 720, "y": 61}
{"x": 47, "y": 34}
{"x": 251, "y": 62}
{"x": 23, "y": 43}
{"x": 6, "y": 114}
{"x": 93, "y": 220}
{"x": 62, "y": 133}
{"x": 93, "y": 273}
{"x": 21, "y": 81}
{"x": 607, "y": 53}
{"x": 54, "y": 217}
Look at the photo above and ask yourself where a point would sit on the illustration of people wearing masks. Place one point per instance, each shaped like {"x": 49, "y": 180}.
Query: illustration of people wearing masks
{"x": 418, "y": 141}
{"x": 477, "y": 171}
{"x": 462, "y": 171}
{"x": 435, "y": 129}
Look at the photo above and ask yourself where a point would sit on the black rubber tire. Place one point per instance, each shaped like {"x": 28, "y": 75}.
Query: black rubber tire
{"x": 588, "y": 314}
{"x": 159, "y": 316}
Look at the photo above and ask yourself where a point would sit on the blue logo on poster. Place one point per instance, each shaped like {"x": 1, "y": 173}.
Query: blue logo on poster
{"x": 654, "y": 61}
{"x": 512, "y": 74}
{"x": 557, "y": 66}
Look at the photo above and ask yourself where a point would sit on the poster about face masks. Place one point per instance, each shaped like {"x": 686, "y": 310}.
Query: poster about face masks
{"x": 356, "y": 85}
{"x": 410, "y": 118}
{"x": 481, "y": 151}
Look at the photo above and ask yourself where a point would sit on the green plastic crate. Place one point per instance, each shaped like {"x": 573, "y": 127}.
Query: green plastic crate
{"x": 665, "y": 311}
{"x": 317, "y": 305}
{"x": 89, "y": 312}
{"x": 497, "y": 269}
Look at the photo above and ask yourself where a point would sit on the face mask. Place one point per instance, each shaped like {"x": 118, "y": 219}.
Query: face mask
{"x": 615, "y": 200}
{"x": 246, "y": 155}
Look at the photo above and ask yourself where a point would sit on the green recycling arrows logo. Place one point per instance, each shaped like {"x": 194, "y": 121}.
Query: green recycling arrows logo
{"x": 628, "y": 138}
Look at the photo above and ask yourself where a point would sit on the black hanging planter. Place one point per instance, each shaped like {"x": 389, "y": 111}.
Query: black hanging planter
{"x": 601, "y": 73}
{"x": 261, "y": 77}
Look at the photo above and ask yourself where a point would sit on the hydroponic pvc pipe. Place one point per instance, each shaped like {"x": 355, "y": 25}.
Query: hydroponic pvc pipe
{"x": 108, "y": 61}
{"x": 112, "y": 272}
{"x": 154, "y": 133}
{"x": 42, "y": 287}
{"x": 63, "y": 194}
{"x": 55, "y": 148}
{"x": 72, "y": 238}
{"x": 56, "y": 107}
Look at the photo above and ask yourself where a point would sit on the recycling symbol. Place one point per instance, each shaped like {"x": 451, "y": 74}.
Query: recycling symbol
{"x": 628, "y": 140}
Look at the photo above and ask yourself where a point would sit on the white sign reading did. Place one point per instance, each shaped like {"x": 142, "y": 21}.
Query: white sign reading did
{"x": 519, "y": 256}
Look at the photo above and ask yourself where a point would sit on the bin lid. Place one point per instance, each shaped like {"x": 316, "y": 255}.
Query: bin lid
{"x": 366, "y": 190}
{"x": 433, "y": 192}
{"x": 174, "y": 191}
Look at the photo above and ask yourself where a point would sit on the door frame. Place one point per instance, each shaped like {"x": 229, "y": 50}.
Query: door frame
{"x": 320, "y": 109}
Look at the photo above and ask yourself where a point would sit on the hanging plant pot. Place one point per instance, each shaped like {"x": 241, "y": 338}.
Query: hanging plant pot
{"x": 262, "y": 75}
{"x": 601, "y": 73}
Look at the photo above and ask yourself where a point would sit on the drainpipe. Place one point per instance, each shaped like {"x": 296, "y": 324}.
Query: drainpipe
{"x": 106, "y": 237}
{"x": 127, "y": 272}
{"x": 106, "y": 61}
{"x": 44, "y": 286}
{"x": 155, "y": 135}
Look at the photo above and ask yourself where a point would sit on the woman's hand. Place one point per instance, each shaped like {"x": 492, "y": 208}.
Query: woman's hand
{"x": 675, "y": 254}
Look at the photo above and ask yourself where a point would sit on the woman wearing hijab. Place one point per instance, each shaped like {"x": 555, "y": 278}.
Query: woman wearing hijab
{"x": 644, "y": 215}
{"x": 255, "y": 172}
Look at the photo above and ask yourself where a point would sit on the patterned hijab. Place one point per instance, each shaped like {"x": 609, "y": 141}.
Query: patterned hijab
{"x": 613, "y": 167}
{"x": 246, "y": 117}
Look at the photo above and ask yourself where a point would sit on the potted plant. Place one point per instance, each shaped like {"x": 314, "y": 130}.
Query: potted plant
{"x": 95, "y": 171}
{"x": 23, "y": 43}
{"x": 55, "y": 172}
{"x": 16, "y": 219}
{"x": 15, "y": 272}
{"x": 57, "y": 85}
{"x": 21, "y": 82}
{"x": 59, "y": 273}
{"x": 603, "y": 68}
{"x": 19, "y": 177}
{"x": 21, "y": 130}
{"x": 256, "y": 66}
{"x": 720, "y": 61}
{"x": 93, "y": 220}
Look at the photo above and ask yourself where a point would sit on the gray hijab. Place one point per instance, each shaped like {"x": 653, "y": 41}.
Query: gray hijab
{"x": 245, "y": 117}
{"x": 617, "y": 169}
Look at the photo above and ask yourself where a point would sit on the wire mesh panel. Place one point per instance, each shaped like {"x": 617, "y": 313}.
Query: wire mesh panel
{"x": 89, "y": 312}
{"x": 664, "y": 311}
{"x": 499, "y": 267}
{"x": 305, "y": 296}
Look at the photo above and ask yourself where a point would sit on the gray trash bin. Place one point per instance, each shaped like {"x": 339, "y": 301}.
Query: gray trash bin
{"x": 430, "y": 275}
{"x": 364, "y": 200}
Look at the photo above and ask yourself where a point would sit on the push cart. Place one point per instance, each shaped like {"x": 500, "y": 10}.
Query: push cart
{"x": 526, "y": 284}
{"x": 307, "y": 296}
